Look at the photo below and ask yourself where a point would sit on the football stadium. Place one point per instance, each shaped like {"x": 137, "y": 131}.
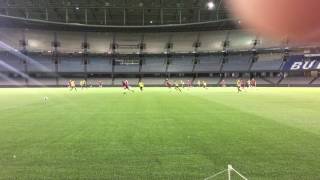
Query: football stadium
{"x": 159, "y": 89}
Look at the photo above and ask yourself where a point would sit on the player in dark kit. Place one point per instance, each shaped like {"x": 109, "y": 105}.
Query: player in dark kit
{"x": 176, "y": 86}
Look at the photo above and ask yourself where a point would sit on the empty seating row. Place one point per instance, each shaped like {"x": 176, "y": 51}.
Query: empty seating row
{"x": 268, "y": 62}
{"x": 181, "y": 64}
{"x": 237, "y": 63}
{"x": 208, "y": 63}
{"x": 296, "y": 80}
{"x": 154, "y": 64}
{"x": 210, "y": 41}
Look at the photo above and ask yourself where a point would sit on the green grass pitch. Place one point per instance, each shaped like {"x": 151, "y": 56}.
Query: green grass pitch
{"x": 265, "y": 133}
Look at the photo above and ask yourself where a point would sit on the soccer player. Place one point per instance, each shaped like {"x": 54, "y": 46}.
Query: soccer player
{"x": 199, "y": 83}
{"x": 223, "y": 83}
{"x": 100, "y": 84}
{"x": 69, "y": 84}
{"x": 189, "y": 83}
{"x": 248, "y": 83}
{"x": 141, "y": 85}
{"x": 73, "y": 85}
{"x": 182, "y": 84}
{"x": 176, "y": 86}
{"x": 167, "y": 83}
{"x": 253, "y": 82}
{"x": 83, "y": 84}
{"x": 204, "y": 84}
{"x": 242, "y": 84}
{"x": 239, "y": 85}
{"x": 125, "y": 85}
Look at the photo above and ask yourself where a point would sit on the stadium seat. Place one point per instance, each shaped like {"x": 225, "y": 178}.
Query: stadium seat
{"x": 154, "y": 65}
{"x": 99, "y": 64}
{"x": 71, "y": 64}
{"x": 268, "y": 62}
{"x": 181, "y": 64}
{"x": 208, "y": 63}
{"x": 40, "y": 63}
{"x": 237, "y": 63}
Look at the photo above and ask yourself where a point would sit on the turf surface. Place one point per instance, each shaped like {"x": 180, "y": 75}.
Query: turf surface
{"x": 265, "y": 133}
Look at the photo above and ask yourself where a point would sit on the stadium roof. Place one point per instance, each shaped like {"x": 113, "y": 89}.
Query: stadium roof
{"x": 121, "y": 13}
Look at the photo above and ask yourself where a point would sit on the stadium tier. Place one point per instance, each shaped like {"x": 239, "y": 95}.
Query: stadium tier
{"x": 268, "y": 62}
{"x": 181, "y": 64}
{"x": 237, "y": 63}
{"x": 154, "y": 64}
{"x": 208, "y": 63}
{"x": 35, "y": 55}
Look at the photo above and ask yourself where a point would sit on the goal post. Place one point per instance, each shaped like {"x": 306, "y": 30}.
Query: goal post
{"x": 230, "y": 169}
{"x": 229, "y": 172}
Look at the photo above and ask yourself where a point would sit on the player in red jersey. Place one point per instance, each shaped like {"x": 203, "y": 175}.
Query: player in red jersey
{"x": 253, "y": 83}
{"x": 167, "y": 83}
{"x": 72, "y": 85}
{"x": 100, "y": 84}
{"x": 125, "y": 85}
{"x": 242, "y": 84}
{"x": 189, "y": 83}
{"x": 223, "y": 83}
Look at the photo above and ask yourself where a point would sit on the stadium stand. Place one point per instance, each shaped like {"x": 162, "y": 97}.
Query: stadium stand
{"x": 153, "y": 81}
{"x": 63, "y": 81}
{"x": 230, "y": 80}
{"x": 70, "y": 41}
{"x": 210, "y": 80}
{"x": 241, "y": 40}
{"x": 181, "y": 64}
{"x": 292, "y": 81}
{"x": 99, "y": 64}
{"x": 316, "y": 82}
{"x": 126, "y": 68}
{"x": 268, "y": 62}
{"x": 39, "y": 41}
{"x": 71, "y": 64}
{"x": 11, "y": 81}
{"x": 99, "y": 41}
{"x": 154, "y": 64}
{"x": 11, "y": 63}
{"x": 183, "y": 42}
{"x": 191, "y": 53}
{"x": 265, "y": 43}
{"x": 274, "y": 80}
{"x": 208, "y": 63}
{"x": 40, "y": 63}
{"x": 179, "y": 79}
{"x": 92, "y": 81}
{"x": 212, "y": 42}
{"x": 156, "y": 42}
{"x": 237, "y": 63}
{"x": 132, "y": 81}
{"x": 127, "y": 43}
{"x": 262, "y": 82}
{"x": 43, "y": 82}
